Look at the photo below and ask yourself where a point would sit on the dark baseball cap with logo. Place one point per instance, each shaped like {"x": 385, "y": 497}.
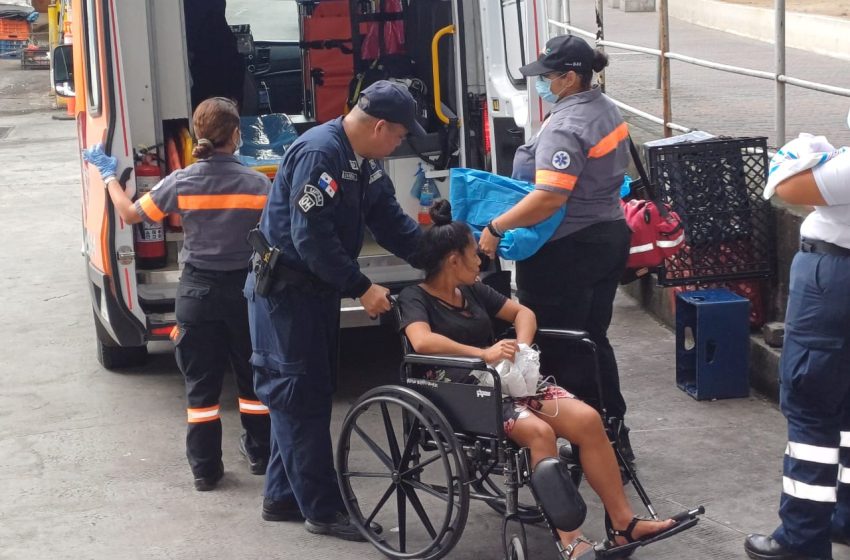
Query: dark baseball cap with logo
{"x": 392, "y": 102}
{"x": 562, "y": 54}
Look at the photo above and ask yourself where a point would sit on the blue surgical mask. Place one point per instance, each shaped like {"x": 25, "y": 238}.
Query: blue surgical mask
{"x": 544, "y": 89}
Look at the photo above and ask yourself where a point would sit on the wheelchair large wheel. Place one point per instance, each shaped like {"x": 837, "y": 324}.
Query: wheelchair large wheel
{"x": 527, "y": 510}
{"x": 400, "y": 465}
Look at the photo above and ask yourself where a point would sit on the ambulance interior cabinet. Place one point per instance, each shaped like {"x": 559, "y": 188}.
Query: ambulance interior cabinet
{"x": 712, "y": 344}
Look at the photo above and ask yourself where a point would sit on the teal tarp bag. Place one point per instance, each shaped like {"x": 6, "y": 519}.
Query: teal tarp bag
{"x": 478, "y": 196}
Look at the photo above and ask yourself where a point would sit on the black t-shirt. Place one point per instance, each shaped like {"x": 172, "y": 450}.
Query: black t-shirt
{"x": 471, "y": 324}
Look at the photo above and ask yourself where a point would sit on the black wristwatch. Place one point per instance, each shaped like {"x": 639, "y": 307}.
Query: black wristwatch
{"x": 495, "y": 232}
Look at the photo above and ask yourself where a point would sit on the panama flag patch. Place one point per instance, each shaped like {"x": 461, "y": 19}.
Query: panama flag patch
{"x": 327, "y": 184}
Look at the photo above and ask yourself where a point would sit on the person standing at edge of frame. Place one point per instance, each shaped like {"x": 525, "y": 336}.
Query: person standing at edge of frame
{"x": 329, "y": 188}
{"x": 814, "y": 373}
{"x": 579, "y": 157}
{"x": 219, "y": 201}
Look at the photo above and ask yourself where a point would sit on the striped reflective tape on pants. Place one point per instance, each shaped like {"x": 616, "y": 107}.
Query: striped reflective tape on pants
{"x": 810, "y": 492}
{"x": 198, "y": 415}
{"x": 252, "y": 407}
{"x": 812, "y": 453}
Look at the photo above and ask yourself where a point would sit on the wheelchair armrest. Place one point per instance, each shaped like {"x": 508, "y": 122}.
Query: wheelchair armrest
{"x": 445, "y": 361}
{"x": 557, "y": 334}
{"x": 563, "y": 334}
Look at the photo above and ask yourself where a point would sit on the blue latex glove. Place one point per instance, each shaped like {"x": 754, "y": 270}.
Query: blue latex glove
{"x": 107, "y": 165}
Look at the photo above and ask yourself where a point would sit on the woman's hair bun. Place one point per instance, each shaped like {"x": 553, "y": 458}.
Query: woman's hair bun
{"x": 441, "y": 212}
{"x": 600, "y": 60}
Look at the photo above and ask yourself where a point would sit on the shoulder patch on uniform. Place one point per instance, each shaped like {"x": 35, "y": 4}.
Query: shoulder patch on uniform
{"x": 311, "y": 198}
{"x": 327, "y": 184}
{"x": 561, "y": 160}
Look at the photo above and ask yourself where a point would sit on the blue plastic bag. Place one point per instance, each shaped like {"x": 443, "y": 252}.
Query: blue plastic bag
{"x": 478, "y": 196}
{"x": 265, "y": 139}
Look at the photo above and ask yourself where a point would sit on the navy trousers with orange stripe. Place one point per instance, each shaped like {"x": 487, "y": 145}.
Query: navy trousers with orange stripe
{"x": 212, "y": 336}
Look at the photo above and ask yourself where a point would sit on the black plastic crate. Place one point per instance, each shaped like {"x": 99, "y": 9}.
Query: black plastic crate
{"x": 716, "y": 188}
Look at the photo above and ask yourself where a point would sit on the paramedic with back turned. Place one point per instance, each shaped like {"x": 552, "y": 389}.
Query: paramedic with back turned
{"x": 329, "y": 188}
{"x": 219, "y": 200}
{"x": 578, "y": 158}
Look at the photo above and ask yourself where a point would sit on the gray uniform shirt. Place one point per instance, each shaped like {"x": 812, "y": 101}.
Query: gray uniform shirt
{"x": 220, "y": 201}
{"x": 581, "y": 150}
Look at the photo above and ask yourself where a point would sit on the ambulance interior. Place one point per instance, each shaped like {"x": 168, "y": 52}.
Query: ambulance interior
{"x": 286, "y": 85}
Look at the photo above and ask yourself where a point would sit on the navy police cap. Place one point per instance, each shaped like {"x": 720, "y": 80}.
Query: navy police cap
{"x": 391, "y": 102}
{"x": 562, "y": 54}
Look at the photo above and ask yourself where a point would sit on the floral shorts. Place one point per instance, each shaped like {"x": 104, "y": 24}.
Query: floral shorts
{"x": 517, "y": 408}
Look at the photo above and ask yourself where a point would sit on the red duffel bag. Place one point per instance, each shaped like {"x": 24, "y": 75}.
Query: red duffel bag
{"x": 657, "y": 233}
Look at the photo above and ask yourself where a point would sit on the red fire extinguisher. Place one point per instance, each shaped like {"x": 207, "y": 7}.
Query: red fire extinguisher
{"x": 149, "y": 237}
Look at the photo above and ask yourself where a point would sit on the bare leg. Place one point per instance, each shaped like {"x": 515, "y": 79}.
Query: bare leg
{"x": 539, "y": 437}
{"x": 581, "y": 424}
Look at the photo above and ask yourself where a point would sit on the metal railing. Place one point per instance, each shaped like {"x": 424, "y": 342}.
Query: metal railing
{"x": 665, "y": 55}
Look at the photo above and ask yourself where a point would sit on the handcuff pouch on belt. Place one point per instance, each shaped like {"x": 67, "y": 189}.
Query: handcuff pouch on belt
{"x": 271, "y": 276}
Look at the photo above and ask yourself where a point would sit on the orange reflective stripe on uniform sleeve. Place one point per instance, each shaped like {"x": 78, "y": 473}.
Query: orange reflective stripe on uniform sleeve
{"x": 221, "y": 201}
{"x": 252, "y": 407}
{"x": 150, "y": 208}
{"x": 198, "y": 415}
{"x": 555, "y": 179}
{"x": 609, "y": 143}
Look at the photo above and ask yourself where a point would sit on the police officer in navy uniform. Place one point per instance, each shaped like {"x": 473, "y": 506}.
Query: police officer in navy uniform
{"x": 329, "y": 188}
{"x": 815, "y": 373}
{"x": 219, "y": 200}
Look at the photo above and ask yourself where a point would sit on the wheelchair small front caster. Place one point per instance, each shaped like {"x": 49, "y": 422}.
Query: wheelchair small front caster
{"x": 516, "y": 549}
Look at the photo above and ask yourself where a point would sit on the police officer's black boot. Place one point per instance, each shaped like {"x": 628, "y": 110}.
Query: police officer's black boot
{"x": 339, "y": 527}
{"x": 765, "y": 547}
{"x": 274, "y": 510}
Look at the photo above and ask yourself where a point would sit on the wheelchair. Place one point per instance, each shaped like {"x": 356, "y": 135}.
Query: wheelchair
{"x": 412, "y": 456}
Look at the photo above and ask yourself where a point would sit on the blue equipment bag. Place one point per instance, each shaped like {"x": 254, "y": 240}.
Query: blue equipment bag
{"x": 478, "y": 196}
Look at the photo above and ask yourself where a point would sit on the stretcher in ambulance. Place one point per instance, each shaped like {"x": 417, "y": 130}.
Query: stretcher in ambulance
{"x": 137, "y": 68}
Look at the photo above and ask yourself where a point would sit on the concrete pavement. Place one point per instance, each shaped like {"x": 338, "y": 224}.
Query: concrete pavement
{"x": 92, "y": 463}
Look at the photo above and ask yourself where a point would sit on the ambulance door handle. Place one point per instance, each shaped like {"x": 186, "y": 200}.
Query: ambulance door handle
{"x": 435, "y": 70}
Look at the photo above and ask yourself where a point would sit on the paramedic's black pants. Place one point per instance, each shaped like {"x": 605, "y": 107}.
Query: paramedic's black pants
{"x": 570, "y": 284}
{"x": 212, "y": 337}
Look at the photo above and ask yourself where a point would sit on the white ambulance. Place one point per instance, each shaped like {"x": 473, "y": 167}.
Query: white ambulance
{"x": 136, "y": 65}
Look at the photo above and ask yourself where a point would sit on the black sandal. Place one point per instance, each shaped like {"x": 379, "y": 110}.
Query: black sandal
{"x": 613, "y": 550}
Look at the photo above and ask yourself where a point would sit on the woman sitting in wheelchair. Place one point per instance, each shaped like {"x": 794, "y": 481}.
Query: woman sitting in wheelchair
{"x": 451, "y": 313}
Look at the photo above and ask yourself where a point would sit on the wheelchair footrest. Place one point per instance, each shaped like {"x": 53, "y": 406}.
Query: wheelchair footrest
{"x": 685, "y": 519}
{"x": 557, "y": 495}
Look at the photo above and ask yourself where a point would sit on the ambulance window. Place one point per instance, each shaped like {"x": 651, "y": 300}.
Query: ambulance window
{"x": 514, "y": 25}
{"x": 92, "y": 57}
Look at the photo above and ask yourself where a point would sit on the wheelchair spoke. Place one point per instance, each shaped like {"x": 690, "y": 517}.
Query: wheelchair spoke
{"x": 416, "y": 469}
{"x": 434, "y": 490}
{"x": 411, "y": 443}
{"x": 382, "y": 455}
{"x": 381, "y": 503}
{"x": 402, "y": 519}
{"x": 420, "y": 511}
{"x": 392, "y": 441}
{"x": 367, "y": 475}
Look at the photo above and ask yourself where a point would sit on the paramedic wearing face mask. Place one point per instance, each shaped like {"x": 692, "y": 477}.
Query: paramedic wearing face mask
{"x": 219, "y": 200}
{"x": 330, "y": 187}
{"x": 578, "y": 158}
{"x": 814, "y": 373}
